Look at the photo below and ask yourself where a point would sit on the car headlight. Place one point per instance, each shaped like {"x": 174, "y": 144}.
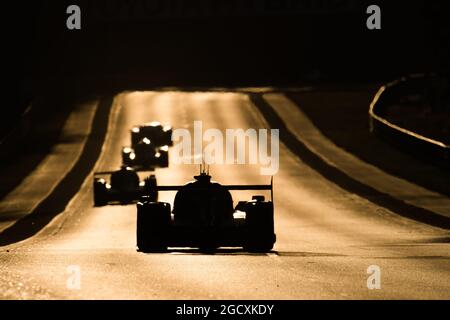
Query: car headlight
{"x": 108, "y": 186}
{"x": 239, "y": 214}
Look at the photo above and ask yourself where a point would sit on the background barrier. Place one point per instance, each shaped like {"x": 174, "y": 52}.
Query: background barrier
{"x": 423, "y": 147}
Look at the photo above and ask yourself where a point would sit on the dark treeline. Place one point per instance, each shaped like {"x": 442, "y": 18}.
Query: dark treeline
{"x": 230, "y": 43}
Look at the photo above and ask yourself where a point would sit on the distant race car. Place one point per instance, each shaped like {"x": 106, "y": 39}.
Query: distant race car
{"x": 158, "y": 134}
{"x": 124, "y": 187}
{"x": 203, "y": 217}
{"x": 145, "y": 155}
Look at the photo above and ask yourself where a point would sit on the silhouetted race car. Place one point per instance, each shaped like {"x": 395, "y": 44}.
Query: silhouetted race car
{"x": 203, "y": 217}
{"x": 158, "y": 134}
{"x": 145, "y": 155}
{"x": 124, "y": 187}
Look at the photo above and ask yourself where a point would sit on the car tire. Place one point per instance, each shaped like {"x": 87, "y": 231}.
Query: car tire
{"x": 259, "y": 224}
{"x": 126, "y": 160}
{"x": 135, "y": 138}
{"x": 99, "y": 194}
{"x": 168, "y": 138}
{"x": 164, "y": 159}
{"x": 150, "y": 188}
{"x": 153, "y": 223}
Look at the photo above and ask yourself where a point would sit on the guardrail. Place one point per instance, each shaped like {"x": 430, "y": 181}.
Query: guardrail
{"x": 421, "y": 146}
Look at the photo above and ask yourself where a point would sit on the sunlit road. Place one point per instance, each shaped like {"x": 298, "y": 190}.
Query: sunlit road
{"x": 326, "y": 237}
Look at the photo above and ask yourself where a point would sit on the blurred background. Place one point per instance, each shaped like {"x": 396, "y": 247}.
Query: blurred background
{"x": 153, "y": 43}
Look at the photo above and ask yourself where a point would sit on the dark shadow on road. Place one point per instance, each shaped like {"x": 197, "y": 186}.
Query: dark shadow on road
{"x": 47, "y": 120}
{"x": 242, "y": 252}
{"x": 341, "y": 179}
{"x": 341, "y": 115}
{"x": 216, "y": 252}
{"x": 56, "y": 202}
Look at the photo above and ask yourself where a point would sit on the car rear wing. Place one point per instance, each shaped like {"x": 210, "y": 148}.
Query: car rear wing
{"x": 105, "y": 173}
{"x": 228, "y": 187}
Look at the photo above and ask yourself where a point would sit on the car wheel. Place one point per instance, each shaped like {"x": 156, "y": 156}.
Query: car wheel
{"x": 153, "y": 223}
{"x": 135, "y": 138}
{"x": 259, "y": 226}
{"x": 125, "y": 159}
{"x": 99, "y": 194}
{"x": 164, "y": 160}
{"x": 150, "y": 185}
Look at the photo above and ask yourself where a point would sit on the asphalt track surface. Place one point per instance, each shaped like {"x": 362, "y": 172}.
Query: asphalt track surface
{"x": 327, "y": 237}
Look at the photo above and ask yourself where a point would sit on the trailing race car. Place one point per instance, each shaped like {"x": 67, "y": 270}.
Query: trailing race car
{"x": 145, "y": 155}
{"x": 158, "y": 134}
{"x": 124, "y": 187}
{"x": 203, "y": 217}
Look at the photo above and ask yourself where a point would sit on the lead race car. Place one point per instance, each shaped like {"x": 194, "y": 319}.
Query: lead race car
{"x": 146, "y": 155}
{"x": 203, "y": 217}
{"x": 124, "y": 187}
{"x": 154, "y": 131}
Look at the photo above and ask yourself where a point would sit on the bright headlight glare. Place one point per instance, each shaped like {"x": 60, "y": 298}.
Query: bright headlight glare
{"x": 239, "y": 214}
